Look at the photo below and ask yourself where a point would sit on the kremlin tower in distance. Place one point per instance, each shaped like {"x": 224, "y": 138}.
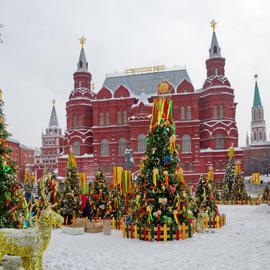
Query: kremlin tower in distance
{"x": 52, "y": 146}
{"x": 257, "y": 150}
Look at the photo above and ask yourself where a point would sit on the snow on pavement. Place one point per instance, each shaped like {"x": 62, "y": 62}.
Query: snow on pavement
{"x": 244, "y": 243}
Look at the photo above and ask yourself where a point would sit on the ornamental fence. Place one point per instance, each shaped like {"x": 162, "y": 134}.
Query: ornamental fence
{"x": 167, "y": 232}
{"x": 243, "y": 202}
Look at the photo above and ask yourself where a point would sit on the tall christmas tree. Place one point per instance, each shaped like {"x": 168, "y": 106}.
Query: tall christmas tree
{"x": 205, "y": 198}
{"x": 239, "y": 191}
{"x": 70, "y": 199}
{"x": 160, "y": 196}
{"x": 229, "y": 175}
{"x": 99, "y": 193}
{"x": 11, "y": 196}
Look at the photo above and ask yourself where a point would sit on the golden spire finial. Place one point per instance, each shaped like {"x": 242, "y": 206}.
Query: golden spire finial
{"x": 82, "y": 41}
{"x": 53, "y": 102}
{"x": 213, "y": 24}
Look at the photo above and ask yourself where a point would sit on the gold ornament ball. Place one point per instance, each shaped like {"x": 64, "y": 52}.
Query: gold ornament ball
{"x": 163, "y": 88}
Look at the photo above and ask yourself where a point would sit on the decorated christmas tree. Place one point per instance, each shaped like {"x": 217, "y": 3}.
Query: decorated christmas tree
{"x": 70, "y": 199}
{"x": 266, "y": 193}
{"x": 113, "y": 205}
{"x": 11, "y": 195}
{"x": 205, "y": 198}
{"x": 239, "y": 191}
{"x": 210, "y": 177}
{"x": 99, "y": 193}
{"x": 160, "y": 193}
{"x": 229, "y": 175}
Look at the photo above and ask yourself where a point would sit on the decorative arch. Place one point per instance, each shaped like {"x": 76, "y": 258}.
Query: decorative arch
{"x": 185, "y": 86}
{"x": 121, "y": 91}
{"x": 104, "y": 93}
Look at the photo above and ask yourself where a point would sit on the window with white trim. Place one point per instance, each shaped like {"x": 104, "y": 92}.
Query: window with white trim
{"x": 186, "y": 144}
{"x": 104, "y": 144}
{"x": 122, "y": 145}
{"x": 219, "y": 141}
{"x": 141, "y": 147}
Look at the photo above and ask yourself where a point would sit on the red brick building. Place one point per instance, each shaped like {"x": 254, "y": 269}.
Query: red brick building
{"x": 22, "y": 156}
{"x": 52, "y": 146}
{"x": 100, "y": 126}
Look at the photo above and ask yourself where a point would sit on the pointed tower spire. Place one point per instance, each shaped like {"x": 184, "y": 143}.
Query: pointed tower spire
{"x": 257, "y": 99}
{"x": 258, "y": 127}
{"x": 214, "y": 50}
{"x": 82, "y": 64}
{"x": 53, "y": 119}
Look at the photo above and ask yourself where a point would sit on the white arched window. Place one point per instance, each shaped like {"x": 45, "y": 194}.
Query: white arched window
{"x": 76, "y": 148}
{"x": 182, "y": 113}
{"x": 104, "y": 147}
{"x": 186, "y": 144}
{"x": 188, "y": 113}
{"x": 219, "y": 141}
{"x": 122, "y": 145}
{"x": 141, "y": 143}
{"x": 125, "y": 118}
{"x": 101, "y": 119}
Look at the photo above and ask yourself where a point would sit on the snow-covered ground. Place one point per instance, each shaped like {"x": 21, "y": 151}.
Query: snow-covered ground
{"x": 244, "y": 243}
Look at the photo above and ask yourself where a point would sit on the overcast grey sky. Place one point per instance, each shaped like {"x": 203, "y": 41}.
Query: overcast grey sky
{"x": 41, "y": 50}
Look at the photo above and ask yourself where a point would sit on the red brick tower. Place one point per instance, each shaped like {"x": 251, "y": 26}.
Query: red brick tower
{"x": 218, "y": 128}
{"x": 79, "y": 134}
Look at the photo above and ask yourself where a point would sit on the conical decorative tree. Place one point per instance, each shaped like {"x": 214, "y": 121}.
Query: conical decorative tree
{"x": 205, "y": 197}
{"x": 11, "y": 195}
{"x": 239, "y": 191}
{"x": 113, "y": 205}
{"x": 210, "y": 177}
{"x": 229, "y": 175}
{"x": 99, "y": 193}
{"x": 70, "y": 199}
{"x": 266, "y": 194}
{"x": 160, "y": 195}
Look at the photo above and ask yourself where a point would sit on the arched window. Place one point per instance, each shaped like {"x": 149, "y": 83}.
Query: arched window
{"x": 107, "y": 118}
{"x": 141, "y": 143}
{"x": 101, "y": 119}
{"x": 119, "y": 118}
{"x": 122, "y": 145}
{"x": 215, "y": 112}
{"x": 215, "y": 49}
{"x": 74, "y": 121}
{"x": 221, "y": 113}
{"x": 182, "y": 113}
{"x": 80, "y": 63}
{"x": 219, "y": 141}
{"x": 104, "y": 147}
{"x": 186, "y": 144}
{"x": 255, "y": 137}
{"x": 260, "y": 134}
{"x": 188, "y": 113}
{"x": 125, "y": 118}
{"x": 76, "y": 148}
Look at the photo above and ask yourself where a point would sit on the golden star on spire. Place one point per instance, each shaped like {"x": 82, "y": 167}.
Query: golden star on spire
{"x": 213, "y": 24}
{"x": 82, "y": 41}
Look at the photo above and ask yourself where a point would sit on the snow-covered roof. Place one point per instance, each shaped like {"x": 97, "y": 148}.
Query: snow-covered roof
{"x": 146, "y": 81}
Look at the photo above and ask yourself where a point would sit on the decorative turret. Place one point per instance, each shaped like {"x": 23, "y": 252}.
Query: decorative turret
{"x": 258, "y": 129}
{"x": 215, "y": 63}
{"x": 82, "y": 77}
{"x": 53, "y": 127}
{"x": 78, "y": 135}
